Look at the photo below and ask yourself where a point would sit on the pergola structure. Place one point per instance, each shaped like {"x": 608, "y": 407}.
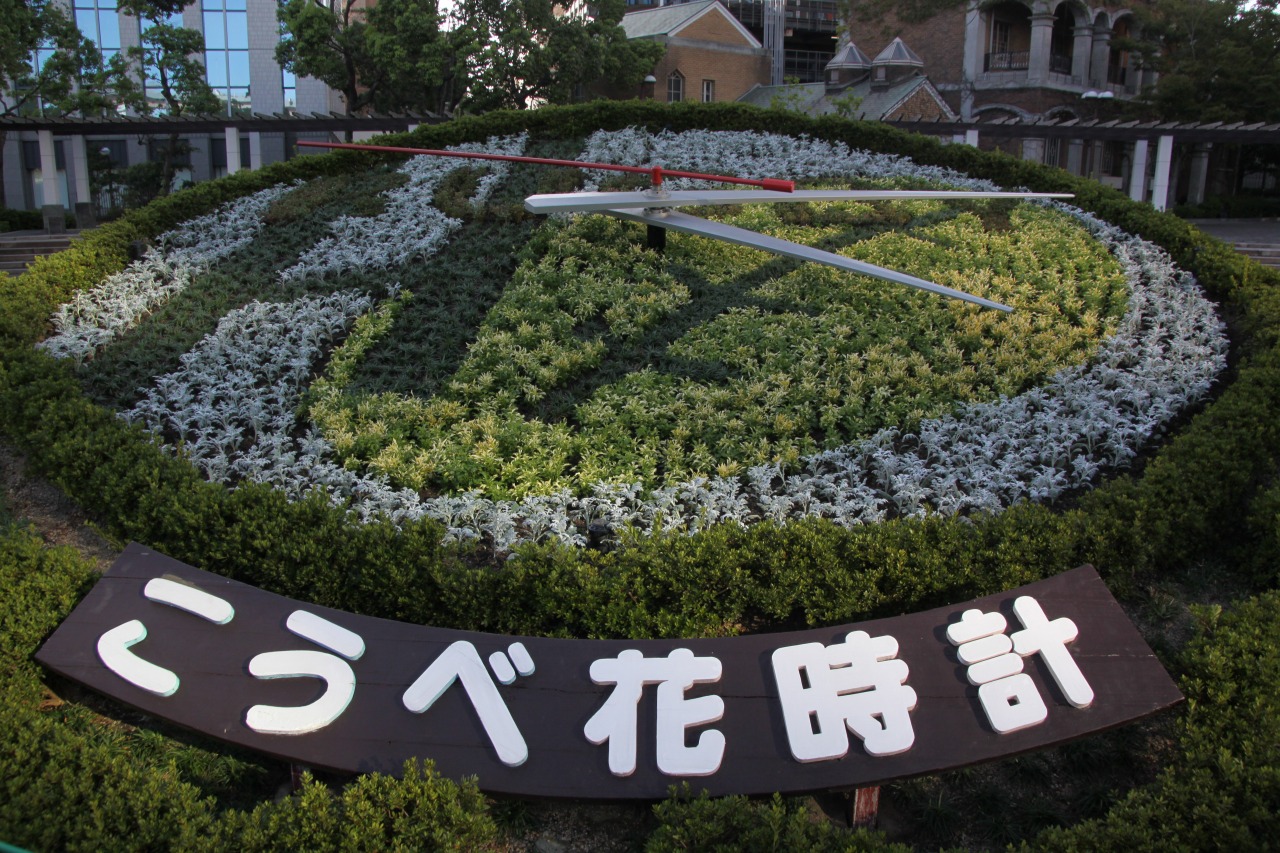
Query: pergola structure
{"x": 1147, "y": 180}
{"x": 76, "y": 130}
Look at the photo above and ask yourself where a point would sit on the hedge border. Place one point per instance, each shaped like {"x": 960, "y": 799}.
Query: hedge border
{"x": 1210, "y": 489}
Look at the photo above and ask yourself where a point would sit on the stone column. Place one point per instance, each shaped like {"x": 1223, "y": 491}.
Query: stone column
{"x": 1101, "y": 57}
{"x": 1082, "y": 53}
{"x": 255, "y": 151}
{"x": 232, "y": 134}
{"x": 1033, "y": 150}
{"x": 55, "y": 216}
{"x": 971, "y": 138}
{"x": 86, "y": 214}
{"x": 1041, "y": 44}
{"x": 1138, "y": 177}
{"x": 1075, "y": 156}
{"x": 1160, "y": 183}
{"x": 973, "y": 51}
{"x": 1199, "y": 172}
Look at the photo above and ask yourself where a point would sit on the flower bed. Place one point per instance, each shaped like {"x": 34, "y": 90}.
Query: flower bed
{"x": 1203, "y": 507}
{"x": 983, "y": 457}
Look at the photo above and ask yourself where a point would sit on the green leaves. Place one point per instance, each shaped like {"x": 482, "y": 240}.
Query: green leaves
{"x": 603, "y": 361}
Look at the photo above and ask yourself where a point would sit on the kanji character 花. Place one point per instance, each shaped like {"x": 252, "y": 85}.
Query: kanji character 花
{"x": 857, "y": 685}
{"x": 615, "y": 721}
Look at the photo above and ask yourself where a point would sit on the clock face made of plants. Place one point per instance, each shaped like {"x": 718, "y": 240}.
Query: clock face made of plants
{"x": 409, "y": 343}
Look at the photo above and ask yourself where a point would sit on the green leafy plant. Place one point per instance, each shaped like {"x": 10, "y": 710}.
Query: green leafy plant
{"x": 71, "y": 782}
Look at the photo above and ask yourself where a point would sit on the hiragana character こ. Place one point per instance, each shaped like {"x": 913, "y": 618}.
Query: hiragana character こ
{"x": 114, "y": 645}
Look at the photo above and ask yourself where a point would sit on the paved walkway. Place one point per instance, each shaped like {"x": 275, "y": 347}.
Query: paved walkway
{"x": 1256, "y": 238}
{"x": 1241, "y": 230}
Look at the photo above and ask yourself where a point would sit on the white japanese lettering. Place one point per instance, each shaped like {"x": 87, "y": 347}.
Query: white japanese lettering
{"x": 615, "y": 721}
{"x": 857, "y": 684}
{"x": 461, "y": 662}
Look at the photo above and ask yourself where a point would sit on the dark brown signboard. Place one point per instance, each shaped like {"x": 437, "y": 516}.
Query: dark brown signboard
{"x": 838, "y": 707}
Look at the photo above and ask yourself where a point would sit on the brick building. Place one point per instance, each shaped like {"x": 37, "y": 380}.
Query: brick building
{"x": 1027, "y": 59}
{"x": 1033, "y": 58}
{"x": 710, "y": 55}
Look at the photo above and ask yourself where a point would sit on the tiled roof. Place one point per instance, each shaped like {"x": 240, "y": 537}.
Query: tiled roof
{"x": 897, "y": 53}
{"x": 661, "y": 20}
{"x": 849, "y": 56}
{"x": 813, "y": 98}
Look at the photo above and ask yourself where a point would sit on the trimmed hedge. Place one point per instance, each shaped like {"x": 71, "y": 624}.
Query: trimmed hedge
{"x": 1210, "y": 490}
{"x": 1222, "y": 789}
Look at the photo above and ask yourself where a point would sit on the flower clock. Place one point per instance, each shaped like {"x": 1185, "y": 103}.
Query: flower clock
{"x": 597, "y": 389}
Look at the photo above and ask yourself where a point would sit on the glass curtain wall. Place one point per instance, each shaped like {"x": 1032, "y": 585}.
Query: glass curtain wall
{"x": 226, "y": 40}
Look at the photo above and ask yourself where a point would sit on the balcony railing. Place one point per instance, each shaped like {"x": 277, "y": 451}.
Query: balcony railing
{"x": 1116, "y": 74}
{"x": 1017, "y": 60}
{"x": 1060, "y": 63}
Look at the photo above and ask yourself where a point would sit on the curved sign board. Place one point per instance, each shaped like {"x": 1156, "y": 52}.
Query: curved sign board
{"x": 838, "y": 707}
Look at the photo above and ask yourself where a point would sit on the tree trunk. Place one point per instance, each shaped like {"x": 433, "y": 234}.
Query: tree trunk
{"x": 167, "y": 170}
{"x": 4, "y": 137}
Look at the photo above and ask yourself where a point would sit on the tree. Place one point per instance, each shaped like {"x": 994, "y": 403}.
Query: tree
{"x": 489, "y": 54}
{"x": 521, "y": 54}
{"x": 1218, "y": 60}
{"x": 175, "y": 79}
{"x": 601, "y": 50}
{"x": 47, "y": 65}
{"x": 418, "y": 64}
{"x": 392, "y": 56}
{"x": 328, "y": 42}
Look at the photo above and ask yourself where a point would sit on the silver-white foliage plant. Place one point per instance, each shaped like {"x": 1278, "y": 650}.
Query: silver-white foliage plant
{"x": 95, "y": 317}
{"x": 409, "y": 227}
{"x": 1037, "y": 445}
{"x": 232, "y": 404}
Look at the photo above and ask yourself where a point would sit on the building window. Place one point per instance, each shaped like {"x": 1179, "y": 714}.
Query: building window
{"x": 1053, "y": 152}
{"x": 99, "y": 22}
{"x": 226, "y": 55}
{"x": 1000, "y": 36}
{"x": 290, "y": 83}
{"x": 675, "y": 87}
{"x": 708, "y": 91}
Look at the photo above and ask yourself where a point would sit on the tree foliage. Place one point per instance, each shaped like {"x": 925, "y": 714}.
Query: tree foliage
{"x": 521, "y": 54}
{"x": 415, "y": 57}
{"x": 1217, "y": 59}
{"x": 47, "y": 65}
{"x": 328, "y": 43}
{"x": 486, "y": 54}
{"x": 69, "y": 72}
{"x": 175, "y": 79}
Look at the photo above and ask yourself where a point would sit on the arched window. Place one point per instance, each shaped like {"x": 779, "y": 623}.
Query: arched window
{"x": 675, "y": 87}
